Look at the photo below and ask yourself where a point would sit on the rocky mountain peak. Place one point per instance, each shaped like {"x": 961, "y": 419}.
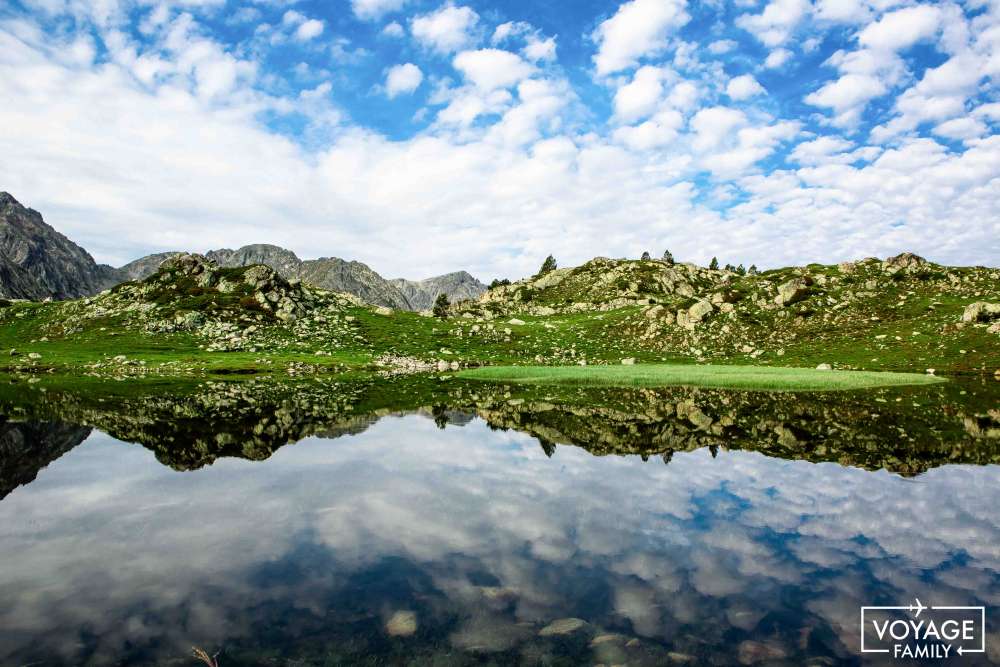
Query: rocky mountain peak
{"x": 40, "y": 262}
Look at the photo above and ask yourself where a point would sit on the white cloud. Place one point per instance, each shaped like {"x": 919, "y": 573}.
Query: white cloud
{"x": 774, "y": 25}
{"x": 961, "y": 128}
{"x": 449, "y": 29}
{"x": 540, "y": 49}
{"x": 842, "y": 11}
{"x": 309, "y": 30}
{"x": 488, "y": 69}
{"x": 402, "y": 79}
{"x": 744, "y": 87}
{"x": 393, "y": 29}
{"x": 639, "y": 28}
{"x": 660, "y": 130}
{"x": 721, "y": 46}
{"x": 511, "y": 160}
{"x": 713, "y": 124}
{"x": 777, "y": 58}
{"x": 510, "y": 29}
{"x": 305, "y": 28}
{"x": 640, "y": 97}
{"x": 901, "y": 29}
{"x": 819, "y": 150}
{"x": 371, "y": 10}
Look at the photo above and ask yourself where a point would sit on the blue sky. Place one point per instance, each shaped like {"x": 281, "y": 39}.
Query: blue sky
{"x": 422, "y": 137}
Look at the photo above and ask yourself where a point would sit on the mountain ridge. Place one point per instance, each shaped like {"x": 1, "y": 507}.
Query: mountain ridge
{"x": 38, "y": 262}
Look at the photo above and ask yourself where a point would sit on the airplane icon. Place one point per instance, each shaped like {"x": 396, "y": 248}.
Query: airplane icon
{"x": 916, "y": 608}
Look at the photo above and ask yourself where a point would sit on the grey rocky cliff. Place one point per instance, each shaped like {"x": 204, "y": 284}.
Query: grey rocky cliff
{"x": 39, "y": 262}
{"x": 459, "y": 286}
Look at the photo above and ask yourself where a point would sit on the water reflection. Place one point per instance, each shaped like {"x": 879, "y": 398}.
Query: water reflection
{"x": 383, "y": 534}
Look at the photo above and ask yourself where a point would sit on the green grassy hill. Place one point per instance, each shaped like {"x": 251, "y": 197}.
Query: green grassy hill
{"x": 193, "y": 317}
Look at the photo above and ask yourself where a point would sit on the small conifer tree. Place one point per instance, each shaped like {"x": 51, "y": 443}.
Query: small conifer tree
{"x": 441, "y": 304}
{"x": 714, "y": 264}
{"x": 548, "y": 266}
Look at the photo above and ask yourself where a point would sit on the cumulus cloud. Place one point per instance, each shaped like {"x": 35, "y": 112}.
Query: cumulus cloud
{"x": 370, "y": 10}
{"x": 446, "y": 30}
{"x": 901, "y": 29}
{"x": 776, "y": 23}
{"x": 777, "y": 58}
{"x": 489, "y": 69}
{"x": 640, "y": 97}
{"x": 393, "y": 29}
{"x": 305, "y": 28}
{"x": 506, "y": 153}
{"x": 744, "y": 87}
{"x": 639, "y": 28}
{"x": 402, "y": 79}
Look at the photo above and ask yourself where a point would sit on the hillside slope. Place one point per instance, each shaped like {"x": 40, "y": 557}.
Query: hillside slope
{"x": 47, "y": 263}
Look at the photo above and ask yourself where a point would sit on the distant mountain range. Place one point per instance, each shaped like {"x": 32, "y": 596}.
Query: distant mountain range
{"x": 37, "y": 262}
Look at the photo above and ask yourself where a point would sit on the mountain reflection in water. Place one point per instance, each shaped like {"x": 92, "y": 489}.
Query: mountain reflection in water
{"x": 380, "y": 536}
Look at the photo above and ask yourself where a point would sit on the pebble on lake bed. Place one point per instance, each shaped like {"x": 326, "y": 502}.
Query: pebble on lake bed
{"x": 401, "y": 624}
{"x": 563, "y": 626}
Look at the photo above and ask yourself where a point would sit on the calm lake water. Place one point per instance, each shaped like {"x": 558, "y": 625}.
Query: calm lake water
{"x": 473, "y": 532}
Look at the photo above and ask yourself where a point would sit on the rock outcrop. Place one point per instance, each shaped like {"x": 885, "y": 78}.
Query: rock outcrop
{"x": 981, "y": 311}
{"x": 37, "y": 262}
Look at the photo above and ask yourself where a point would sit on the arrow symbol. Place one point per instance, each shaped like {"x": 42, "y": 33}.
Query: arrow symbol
{"x": 917, "y": 608}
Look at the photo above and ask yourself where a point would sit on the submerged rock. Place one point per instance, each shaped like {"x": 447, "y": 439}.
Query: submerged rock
{"x": 403, "y": 623}
{"x": 563, "y": 626}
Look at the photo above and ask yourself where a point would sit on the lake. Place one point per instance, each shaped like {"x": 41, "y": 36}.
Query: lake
{"x": 445, "y": 523}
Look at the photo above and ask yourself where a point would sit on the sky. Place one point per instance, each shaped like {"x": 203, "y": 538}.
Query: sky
{"x": 421, "y": 136}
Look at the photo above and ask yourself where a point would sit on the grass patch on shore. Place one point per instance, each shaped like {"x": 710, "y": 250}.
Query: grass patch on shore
{"x": 759, "y": 378}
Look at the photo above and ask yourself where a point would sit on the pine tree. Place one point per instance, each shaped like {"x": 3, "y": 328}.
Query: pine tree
{"x": 547, "y": 266}
{"x": 668, "y": 257}
{"x": 741, "y": 270}
{"x": 730, "y": 268}
{"x": 646, "y": 257}
{"x": 753, "y": 270}
{"x": 714, "y": 265}
{"x": 441, "y": 304}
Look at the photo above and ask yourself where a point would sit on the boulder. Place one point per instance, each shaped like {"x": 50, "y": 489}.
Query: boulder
{"x": 628, "y": 361}
{"x": 792, "y": 291}
{"x": 699, "y": 311}
{"x": 824, "y": 367}
{"x": 981, "y": 311}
